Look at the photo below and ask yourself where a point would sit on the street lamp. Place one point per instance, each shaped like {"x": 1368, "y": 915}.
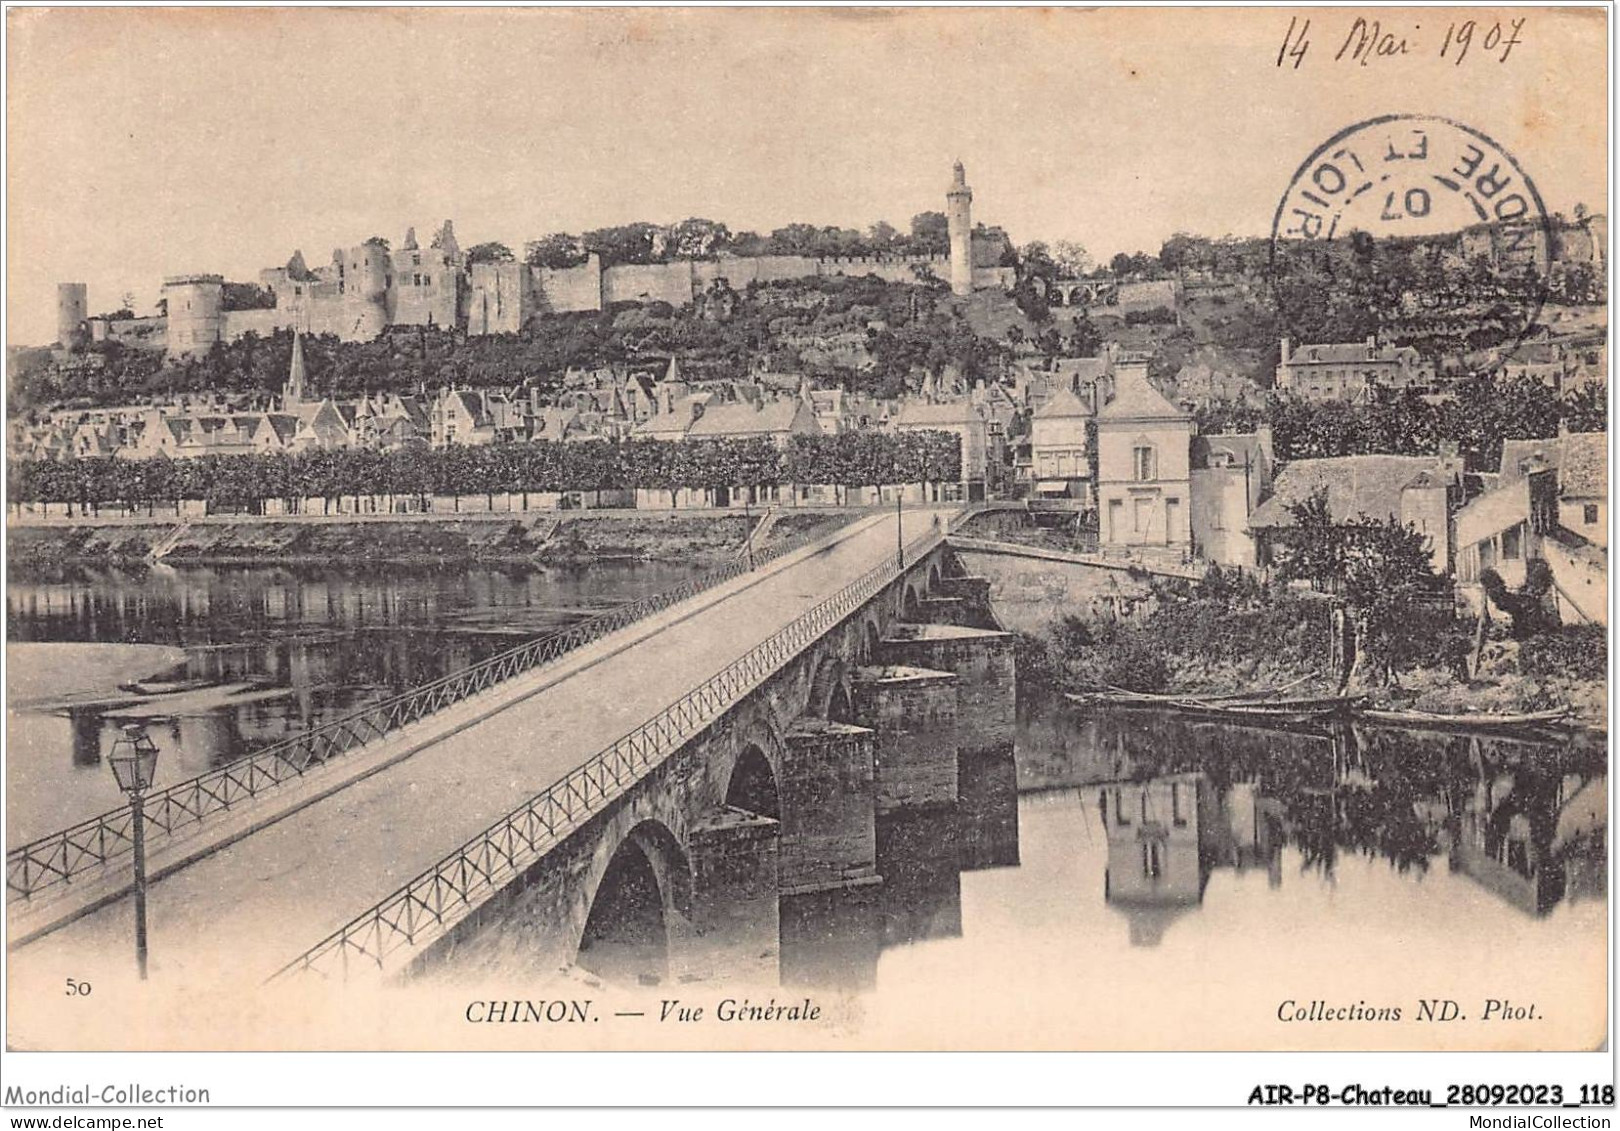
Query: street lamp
{"x": 748, "y": 525}
{"x": 899, "y": 530}
{"x": 134, "y": 763}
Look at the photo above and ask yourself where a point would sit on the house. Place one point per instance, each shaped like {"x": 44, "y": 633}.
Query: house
{"x": 1416, "y": 490}
{"x": 1503, "y": 528}
{"x": 1144, "y": 482}
{"x": 778, "y": 421}
{"x": 1582, "y": 461}
{"x": 1060, "y": 446}
{"x": 1349, "y": 371}
{"x": 961, "y": 418}
{"x": 674, "y": 417}
{"x": 324, "y": 426}
{"x": 1230, "y": 476}
{"x": 1549, "y": 504}
{"x": 459, "y": 416}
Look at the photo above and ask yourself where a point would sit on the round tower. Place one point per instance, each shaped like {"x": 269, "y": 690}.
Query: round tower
{"x": 195, "y": 312}
{"x": 367, "y": 280}
{"x": 71, "y": 310}
{"x": 959, "y": 217}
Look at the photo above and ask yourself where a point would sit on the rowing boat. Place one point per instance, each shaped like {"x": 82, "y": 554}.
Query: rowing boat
{"x": 1558, "y": 716}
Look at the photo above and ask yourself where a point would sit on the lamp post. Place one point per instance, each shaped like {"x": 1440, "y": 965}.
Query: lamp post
{"x": 748, "y": 525}
{"x": 134, "y": 763}
{"x": 899, "y": 531}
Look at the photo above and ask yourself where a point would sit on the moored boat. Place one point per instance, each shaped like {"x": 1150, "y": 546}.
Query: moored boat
{"x": 1558, "y": 716}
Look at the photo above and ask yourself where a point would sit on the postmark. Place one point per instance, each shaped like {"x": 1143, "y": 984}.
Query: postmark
{"x": 1414, "y": 227}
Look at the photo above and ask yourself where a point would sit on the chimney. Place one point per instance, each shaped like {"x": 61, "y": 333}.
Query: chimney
{"x": 1286, "y": 344}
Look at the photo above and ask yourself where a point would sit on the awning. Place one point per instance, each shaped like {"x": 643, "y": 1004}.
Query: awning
{"x": 1052, "y": 487}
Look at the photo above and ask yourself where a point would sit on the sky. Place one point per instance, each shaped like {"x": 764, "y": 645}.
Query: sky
{"x": 148, "y": 142}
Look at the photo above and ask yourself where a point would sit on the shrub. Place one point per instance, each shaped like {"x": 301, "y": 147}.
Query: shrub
{"x": 1575, "y": 651}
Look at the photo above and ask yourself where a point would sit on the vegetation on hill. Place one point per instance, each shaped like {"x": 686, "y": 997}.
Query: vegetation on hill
{"x": 1483, "y": 412}
{"x": 898, "y": 327}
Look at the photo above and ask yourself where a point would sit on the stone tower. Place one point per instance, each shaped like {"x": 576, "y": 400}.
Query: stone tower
{"x": 959, "y": 215}
{"x": 72, "y": 308}
{"x": 195, "y": 312}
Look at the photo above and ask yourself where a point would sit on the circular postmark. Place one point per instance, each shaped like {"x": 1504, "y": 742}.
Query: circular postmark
{"x": 1416, "y": 229}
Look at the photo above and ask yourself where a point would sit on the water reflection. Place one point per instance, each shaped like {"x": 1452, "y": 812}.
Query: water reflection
{"x": 267, "y": 652}
{"x": 1154, "y": 807}
{"x": 1524, "y": 819}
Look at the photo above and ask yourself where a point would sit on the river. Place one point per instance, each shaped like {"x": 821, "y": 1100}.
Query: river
{"x": 1117, "y": 866}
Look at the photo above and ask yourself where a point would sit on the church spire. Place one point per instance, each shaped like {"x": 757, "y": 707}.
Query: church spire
{"x": 294, "y": 392}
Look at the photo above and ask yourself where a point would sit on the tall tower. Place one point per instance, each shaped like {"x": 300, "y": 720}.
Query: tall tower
{"x": 959, "y": 216}
{"x": 195, "y": 318}
{"x": 72, "y": 309}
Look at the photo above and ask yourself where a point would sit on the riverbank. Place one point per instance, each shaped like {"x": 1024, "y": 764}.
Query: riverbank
{"x": 1208, "y": 647}
{"x": 570, "y": 539}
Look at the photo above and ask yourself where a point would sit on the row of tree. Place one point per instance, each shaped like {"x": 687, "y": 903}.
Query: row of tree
{"x": 699, "y": 238}
{"x": 853, "y": 459}
{"x": 1482, "y": 412}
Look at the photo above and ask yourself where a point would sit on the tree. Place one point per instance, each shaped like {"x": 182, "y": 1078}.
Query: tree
{"x": 489, "y": 253}
{"x": 930, "y": 234}
{"x": 1071, "y": 259}
{"x": 556, "y": 251}
{"x": 376, "y": 241}
{"x": 1586, "y": 409}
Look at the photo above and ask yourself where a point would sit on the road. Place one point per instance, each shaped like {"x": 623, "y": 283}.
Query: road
{"x": 254, "y": 904}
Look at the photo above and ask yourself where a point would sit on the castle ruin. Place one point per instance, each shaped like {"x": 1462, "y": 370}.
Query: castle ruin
{"x": 368, "y": 288}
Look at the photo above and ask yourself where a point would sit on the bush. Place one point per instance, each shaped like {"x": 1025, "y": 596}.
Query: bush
{"x": 1576, "y": 652}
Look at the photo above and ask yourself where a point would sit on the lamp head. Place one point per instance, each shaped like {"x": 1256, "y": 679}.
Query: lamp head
{"x": 134, "y": 759}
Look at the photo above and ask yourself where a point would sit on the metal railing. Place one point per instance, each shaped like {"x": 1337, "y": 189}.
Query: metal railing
{"x": 436, "y": 900}
{"x": 91, "y": 844}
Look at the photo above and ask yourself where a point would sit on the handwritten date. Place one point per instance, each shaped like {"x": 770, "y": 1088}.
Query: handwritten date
{"x": 1369, "y": 41}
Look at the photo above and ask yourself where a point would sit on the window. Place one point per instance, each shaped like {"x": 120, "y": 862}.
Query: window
{"x": 1141, "y": 515}
{"x": 1511, "y": 539}
{"x": 1120, "y": 816}
{"x": 1142, "y": 463}
{"x": 1177, "y": 817}
{"x": 1152, "y": 865}
{"x": 1589, "y": 514}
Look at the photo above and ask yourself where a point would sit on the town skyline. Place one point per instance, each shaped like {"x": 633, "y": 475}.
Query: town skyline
{"x": 290, "y": 160}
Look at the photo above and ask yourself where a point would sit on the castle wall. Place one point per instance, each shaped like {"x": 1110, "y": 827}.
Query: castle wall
{"x": 138, "y": 333}
{"x": 425, "y": 289}
{"x": 561, "y": 290}
{"x": 1156, "y": 295}
{"x": 500, "y": 298}
{"x": 236, "y": 323}
{"x": 649, "y": 282}
{"x": 992, "y": 278}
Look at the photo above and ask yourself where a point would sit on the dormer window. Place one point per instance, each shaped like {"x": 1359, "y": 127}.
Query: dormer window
{"x": 1142, "y": 463}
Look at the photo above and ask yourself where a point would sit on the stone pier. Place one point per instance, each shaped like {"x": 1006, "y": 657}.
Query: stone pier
{"x": 914, "y": 712}
{"x": 734, "y": 900}
{"x": 982, "y": 661}
{"x": 829, "y": 796}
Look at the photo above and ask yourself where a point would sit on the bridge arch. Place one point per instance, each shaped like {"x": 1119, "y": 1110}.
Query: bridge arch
{"x": 641, "y": 895}
{"x": 869, "y": 644}
{"x": 908, "y": 604}
{"x": 752, "y": 785}
{"x": 933, "y": 577}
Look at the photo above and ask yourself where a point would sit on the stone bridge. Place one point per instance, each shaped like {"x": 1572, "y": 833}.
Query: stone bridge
{"x": 681, "y": 877}
{"x": 852, "y": 678}
{"x": 1082, "y": 292}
